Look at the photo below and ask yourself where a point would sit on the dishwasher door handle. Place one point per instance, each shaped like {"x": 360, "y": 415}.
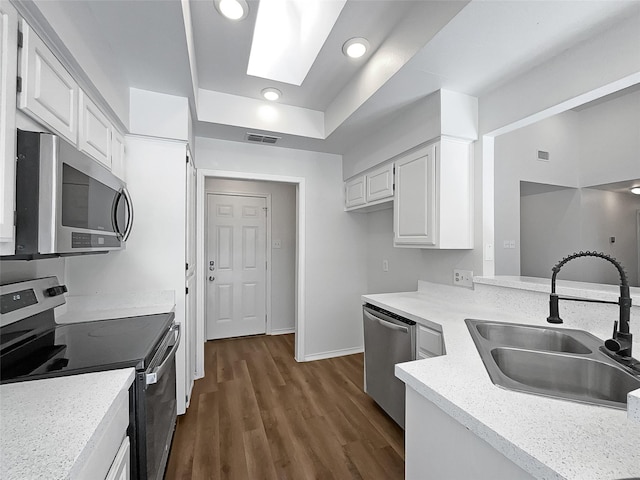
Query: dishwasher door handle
{"x": 384, "y": 323}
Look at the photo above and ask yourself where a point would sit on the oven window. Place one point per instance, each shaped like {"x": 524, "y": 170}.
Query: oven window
{"x": 87, "y": 203}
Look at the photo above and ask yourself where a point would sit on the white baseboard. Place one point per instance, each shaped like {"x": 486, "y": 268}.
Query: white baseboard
{"x": 333, "y": 353}
{"x": 282, "y": 331}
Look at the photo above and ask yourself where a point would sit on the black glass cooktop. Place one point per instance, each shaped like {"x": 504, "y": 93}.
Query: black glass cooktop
{"x": 42, "y": 349}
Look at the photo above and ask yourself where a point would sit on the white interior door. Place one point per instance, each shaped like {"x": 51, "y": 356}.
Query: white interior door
{"x": 236, "y": 265}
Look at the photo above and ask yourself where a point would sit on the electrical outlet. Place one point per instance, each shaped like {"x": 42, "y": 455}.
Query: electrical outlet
{"x": 277, "y": 244}
{"x": 463, "y": 278}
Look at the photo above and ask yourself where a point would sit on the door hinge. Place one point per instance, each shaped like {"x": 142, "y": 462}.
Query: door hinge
{"x": 15, "y": 217}
{"x": 20, "y": 39}
{"x": 187, "y": 157}
{"x": 186, "y": 290}
{"x": 19, "y": 84}
{"x": 186, "y": 266}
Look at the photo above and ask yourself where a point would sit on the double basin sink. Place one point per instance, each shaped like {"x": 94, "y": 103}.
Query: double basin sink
{"x": 554, "y": 362}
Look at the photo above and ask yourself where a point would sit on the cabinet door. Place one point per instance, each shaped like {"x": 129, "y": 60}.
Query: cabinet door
{"x": 415, "y": 199}
{"x": 354, "y": 192}
{"x": 8, "y": 67}
{"x": 49, "y": 93}
{"x": 117, "y": 154}
{"x": 380, "y": 183}
{"x": 94, "y": 131}
{"x": 121, "y": 468}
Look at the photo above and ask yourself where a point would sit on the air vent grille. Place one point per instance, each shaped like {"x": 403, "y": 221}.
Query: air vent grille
{"x": 256, "y": 137}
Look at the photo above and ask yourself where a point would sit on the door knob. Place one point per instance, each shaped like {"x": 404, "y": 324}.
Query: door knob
{"x": 212, "y": 278}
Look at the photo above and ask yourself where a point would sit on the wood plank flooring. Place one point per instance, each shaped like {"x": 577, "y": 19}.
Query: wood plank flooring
{"x": 258, "y": 414}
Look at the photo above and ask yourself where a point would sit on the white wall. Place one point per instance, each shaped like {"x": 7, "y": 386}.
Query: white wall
{"x": 555, "y": 224}
{"x": 335, "y": 257}
{"x": 610, "y": 141}
{"x": 516, "y": 160}
{"x": 20, "y": 270}
{"x": 594, "y": 145}
{"x": 283, "y": 228}
{"x": 160, "y": 115}
{"x": 405, "y": 264}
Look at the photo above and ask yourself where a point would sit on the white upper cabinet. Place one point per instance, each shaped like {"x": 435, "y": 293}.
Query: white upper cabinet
{"x": 95, "y": 131}
{"x": 368, "y": 191}
{"x": 354, "y": 192}
{"x": 48, "y": 93}
{"x": 8, "y": 67}
{"x": 433, "y": 203}
{"x": 380, "y": 183}
{"x": 414, "y": 207}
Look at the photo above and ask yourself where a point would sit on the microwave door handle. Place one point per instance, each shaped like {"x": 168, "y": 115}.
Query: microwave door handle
{"x": 114, "y": 213}
{"x": 155, "y": 374}
{"x": 127, "y": 230}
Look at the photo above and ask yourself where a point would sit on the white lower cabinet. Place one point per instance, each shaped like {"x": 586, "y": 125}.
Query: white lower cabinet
{"x": 429, "y": 343}
{"x": 433, "y": 203}
{"x": 8, "y": 72}
{"x": 95, "y": 131}
{"x": 121, "y": 466}
{"x": 49, "y": 93}
{"x": 438, "y": 446}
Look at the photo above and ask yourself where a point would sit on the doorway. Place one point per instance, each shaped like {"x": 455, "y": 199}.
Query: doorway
{"x": 237, "y": 265}
{"x": 297, "y": 289}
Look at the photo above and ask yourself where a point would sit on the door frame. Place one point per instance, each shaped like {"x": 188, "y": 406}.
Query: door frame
{"x": 267, "y": 197}
{"x": 300, "y": 280}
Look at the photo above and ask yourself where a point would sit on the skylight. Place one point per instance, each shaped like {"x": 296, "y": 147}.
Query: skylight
{"x": 288, "y": 37}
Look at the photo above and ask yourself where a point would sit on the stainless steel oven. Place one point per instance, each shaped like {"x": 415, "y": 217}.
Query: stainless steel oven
{"x": 66, "y": 202}
{"x": 156, "y": 408}
{"x": 34, "y": 346}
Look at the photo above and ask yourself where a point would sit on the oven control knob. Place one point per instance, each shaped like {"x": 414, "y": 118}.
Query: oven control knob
{"x": 55, "y": 291}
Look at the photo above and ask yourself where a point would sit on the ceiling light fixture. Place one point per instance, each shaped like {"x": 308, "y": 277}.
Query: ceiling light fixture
{"x": 635, "y": 190}
{"x": 232, "y": 9}
{"x": 355, "y": 47}
{"x": 271, "y": 94}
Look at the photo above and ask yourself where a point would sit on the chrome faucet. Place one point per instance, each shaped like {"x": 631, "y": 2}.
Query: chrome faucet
{"x": 619, "y": 346}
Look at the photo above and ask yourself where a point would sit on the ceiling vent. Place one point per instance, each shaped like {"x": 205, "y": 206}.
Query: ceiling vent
{"x": 256, "y": 137}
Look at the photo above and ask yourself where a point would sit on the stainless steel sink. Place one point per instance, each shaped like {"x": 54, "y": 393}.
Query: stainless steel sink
{"x": 554, "y": 362}
{"x": 529, "y": 337}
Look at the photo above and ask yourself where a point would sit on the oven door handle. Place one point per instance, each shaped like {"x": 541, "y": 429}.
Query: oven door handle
{"x": 155, "y": 374}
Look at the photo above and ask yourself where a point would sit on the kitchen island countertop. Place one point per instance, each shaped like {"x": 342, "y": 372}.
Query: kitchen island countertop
{"x": 548, "y": 438}
{"x": 49, "y": 428}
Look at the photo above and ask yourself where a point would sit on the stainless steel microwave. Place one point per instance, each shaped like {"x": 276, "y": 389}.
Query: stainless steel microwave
{"x": 66, "y": 202}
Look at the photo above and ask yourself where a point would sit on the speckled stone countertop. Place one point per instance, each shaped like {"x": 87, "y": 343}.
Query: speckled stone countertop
{"x": 549, "y": 438}
{"x": 48, "y": 427}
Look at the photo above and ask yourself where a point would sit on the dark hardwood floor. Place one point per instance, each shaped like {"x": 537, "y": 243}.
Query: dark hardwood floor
{"x": 258, "y": 414}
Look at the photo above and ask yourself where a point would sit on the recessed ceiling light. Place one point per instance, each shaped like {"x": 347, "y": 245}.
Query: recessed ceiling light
{"x": 271, "y": 94}
{"x": 232, "y": 9}
{"x": 355, "y": 47}
{"x": 635, "y": 190}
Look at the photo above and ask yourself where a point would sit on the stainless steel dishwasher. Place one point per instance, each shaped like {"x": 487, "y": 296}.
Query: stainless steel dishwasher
{"x": 388, "y": 339}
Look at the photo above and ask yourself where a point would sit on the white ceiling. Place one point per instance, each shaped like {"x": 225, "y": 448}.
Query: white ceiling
{"x": 470, "y": 48}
